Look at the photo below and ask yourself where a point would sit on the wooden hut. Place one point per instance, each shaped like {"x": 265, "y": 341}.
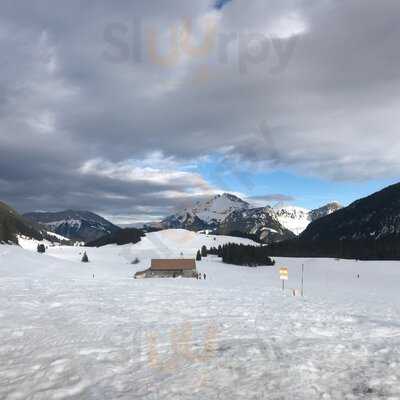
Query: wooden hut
{"x": 169, "y": 268}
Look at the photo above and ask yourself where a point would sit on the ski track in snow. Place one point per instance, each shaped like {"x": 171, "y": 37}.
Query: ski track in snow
{"x": 65, "y": 335}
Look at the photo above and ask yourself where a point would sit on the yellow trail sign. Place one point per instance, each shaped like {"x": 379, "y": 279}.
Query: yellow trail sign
{"x": 284, "y": 274}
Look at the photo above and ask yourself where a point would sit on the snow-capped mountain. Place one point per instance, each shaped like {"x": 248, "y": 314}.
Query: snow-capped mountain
{"x": 228, "y": 213}
{"x": 218, "y": 208}
{"x": 261, "y": 224}
{"x": 206, "y": 214}
{"x": 296, "y": 219}
{"x": 77, "y": 225}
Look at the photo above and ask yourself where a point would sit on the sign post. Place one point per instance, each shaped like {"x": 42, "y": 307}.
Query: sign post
{"x": 284, "y": 276}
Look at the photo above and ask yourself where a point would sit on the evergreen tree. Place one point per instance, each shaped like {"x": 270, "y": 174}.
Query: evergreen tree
{"x": 203, "y": 251}
{"x": 213, "y": 251}
{"x": 85, "y": 258}
{"x": 198, "y": 256}
{"x": 41, "y": 248}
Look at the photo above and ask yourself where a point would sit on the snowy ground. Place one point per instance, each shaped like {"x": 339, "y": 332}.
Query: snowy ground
{"x": 67, "y": 335}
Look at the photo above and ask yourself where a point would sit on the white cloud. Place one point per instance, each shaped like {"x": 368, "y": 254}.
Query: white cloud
{"x": 287, "y": 26}
{"x": 129, "y": 171}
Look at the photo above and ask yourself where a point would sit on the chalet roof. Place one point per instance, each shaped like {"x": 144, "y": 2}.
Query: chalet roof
{"x": 172, "y": 264}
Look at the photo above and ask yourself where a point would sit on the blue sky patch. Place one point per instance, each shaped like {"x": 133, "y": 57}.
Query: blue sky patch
{"x": 220, "y": 4}
{"x": 305, "y": 191}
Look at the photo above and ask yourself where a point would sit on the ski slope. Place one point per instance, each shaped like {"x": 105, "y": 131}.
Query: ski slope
{"x": 236, "y": 335}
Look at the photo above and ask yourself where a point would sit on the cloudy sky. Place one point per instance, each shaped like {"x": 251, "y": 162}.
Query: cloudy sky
{"x": 135, "y": 108}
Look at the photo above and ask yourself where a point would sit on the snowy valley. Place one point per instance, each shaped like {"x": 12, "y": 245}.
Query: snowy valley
{"x": 70, "y": 330}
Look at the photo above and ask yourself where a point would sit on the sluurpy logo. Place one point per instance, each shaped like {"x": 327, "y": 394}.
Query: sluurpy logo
{"x": 182, "y": 348}
{"x": 204, "y": 44}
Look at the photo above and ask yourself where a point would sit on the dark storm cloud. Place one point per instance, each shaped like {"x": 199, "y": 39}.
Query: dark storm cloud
{"x": 316, "y": 94}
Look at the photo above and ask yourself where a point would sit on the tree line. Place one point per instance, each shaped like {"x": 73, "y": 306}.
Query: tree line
{"x": 363, "y": 249}
{"x": 238, "y": 254}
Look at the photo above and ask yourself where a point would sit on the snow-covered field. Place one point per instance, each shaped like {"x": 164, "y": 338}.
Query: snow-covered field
{"x": 236, "y": 335}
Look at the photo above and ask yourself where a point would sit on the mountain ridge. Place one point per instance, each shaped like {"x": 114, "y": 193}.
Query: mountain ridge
{"x": 226, "y": 213}
{"x": 78, "y": 225}
{"x": 258, "y": 223}
{"x": 373, "y": 217}
{"x": 14, "y": 225}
